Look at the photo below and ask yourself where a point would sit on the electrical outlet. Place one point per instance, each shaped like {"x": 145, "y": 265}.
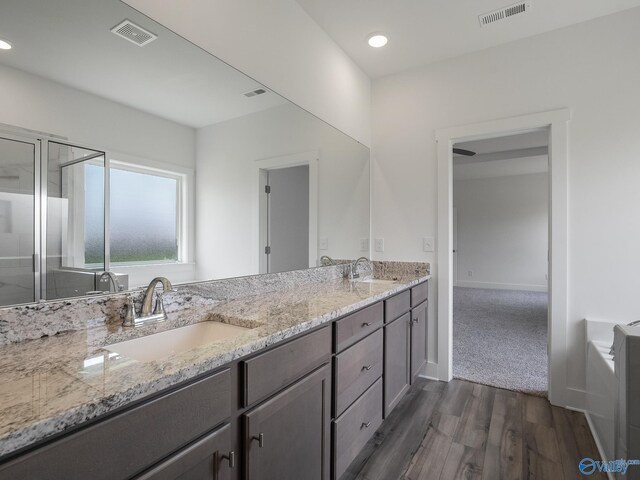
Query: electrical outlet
{"x": 470, "y": 273}
{"x": 364, "y": 244}
{"x": 379, "y": 244}
{"x": 427, "y": 244}
{"x": 324, "y": 243}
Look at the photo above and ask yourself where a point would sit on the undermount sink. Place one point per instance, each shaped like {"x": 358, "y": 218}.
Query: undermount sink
{"x": 163, "y": 344}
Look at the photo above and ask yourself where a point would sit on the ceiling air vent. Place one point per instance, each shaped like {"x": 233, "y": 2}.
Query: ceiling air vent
{"x": 134, "y": 33}
{"x": 504, "y": 13}
{"x": 253, "y": 93}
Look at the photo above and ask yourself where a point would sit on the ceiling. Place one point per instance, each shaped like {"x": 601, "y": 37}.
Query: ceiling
{"x": 519, "y": 154}
{"x": 70, "y": 42}
{"x": 426, "y": 31}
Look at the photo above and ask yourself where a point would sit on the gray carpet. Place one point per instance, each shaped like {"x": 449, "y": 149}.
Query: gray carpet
{"x": 500, "y": 338}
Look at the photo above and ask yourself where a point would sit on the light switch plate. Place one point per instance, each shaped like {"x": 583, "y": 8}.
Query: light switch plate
{"x": 324, "y": 243}
{"x": 379, "y": 244}
{"x": 427, "y": 244}
{"x": 364, "y": 244}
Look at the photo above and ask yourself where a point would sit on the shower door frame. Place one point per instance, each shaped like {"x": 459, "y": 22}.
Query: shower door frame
{"x": 18, "y": 136}
{"x": 41, "y": 142}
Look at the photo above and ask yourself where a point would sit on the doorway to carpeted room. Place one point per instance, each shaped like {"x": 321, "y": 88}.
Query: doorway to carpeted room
{"x": 500, "y": 338}
{"x": 500, "y": 261}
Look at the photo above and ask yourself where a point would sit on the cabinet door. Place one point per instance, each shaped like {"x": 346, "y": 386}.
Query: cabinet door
{"x": 418, "y": 339}
{"x": 397, "y": 368}
{"x": 209, "y": 458}
{"x": 287, "y": 436}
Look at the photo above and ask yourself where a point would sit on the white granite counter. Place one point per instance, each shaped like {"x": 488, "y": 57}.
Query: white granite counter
{"x": 53, "y": 383}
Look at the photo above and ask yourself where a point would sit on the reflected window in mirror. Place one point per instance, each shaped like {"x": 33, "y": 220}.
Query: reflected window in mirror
{"x": 146, "y": 215}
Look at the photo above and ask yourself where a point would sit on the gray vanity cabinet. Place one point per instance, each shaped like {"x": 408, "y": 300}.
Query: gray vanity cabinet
{"x": 127, "y": 443}
{"x": 209, "y": 458}
{"x": 397, "y": 364}
{"x": 397, "y": 348}
{"x": 418, "y": 339}
{"x": 287, "y": 437}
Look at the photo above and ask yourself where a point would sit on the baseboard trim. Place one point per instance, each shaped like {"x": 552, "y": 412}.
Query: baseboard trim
{"x": 503, "y": 286}
{"x": 430, "y": 371}
{"x": 596, "y": 438}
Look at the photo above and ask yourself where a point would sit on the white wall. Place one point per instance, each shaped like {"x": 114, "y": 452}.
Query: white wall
{"x": 33, "y": 102}
{"x": 227, "y": 186}
{"x": 592, "y": 68}
{"x": 279, "y": 45}
{"x": 502, "y": 232}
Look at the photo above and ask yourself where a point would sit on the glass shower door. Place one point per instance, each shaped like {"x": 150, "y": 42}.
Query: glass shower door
{"x": 18, "y": 261}
{"x": 75, "y": 237}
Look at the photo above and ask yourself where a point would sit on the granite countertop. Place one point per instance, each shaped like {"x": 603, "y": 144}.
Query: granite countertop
{"x": 58, "y": 382}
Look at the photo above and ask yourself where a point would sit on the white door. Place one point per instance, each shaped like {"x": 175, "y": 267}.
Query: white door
{"x": 455, "y": 247}
{"x": 288, "y": 219}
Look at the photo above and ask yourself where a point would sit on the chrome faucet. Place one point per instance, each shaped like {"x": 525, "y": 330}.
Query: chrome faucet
{"x": 113, "y": 280}
{"x": 132, "y": 319}
{"x": 353, "y": 268}
{"x": 325, "y": 261}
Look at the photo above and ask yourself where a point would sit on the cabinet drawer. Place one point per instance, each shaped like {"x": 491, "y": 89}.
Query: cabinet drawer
{"x": 125, "y": 444}
{"x": 396, "y": 306}
{"x": 419, "y": 294}
{"x": 353, "y": 429}
{"x": 356, "y": 369}
{"x": 358, "y": 325}
{"x": 273, "y": 370}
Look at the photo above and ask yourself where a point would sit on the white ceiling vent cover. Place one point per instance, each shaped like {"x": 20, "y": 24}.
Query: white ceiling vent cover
{"x": 253, "y": 93}
{"x": 504, "y": 13}
{"x": 134, "y": 33}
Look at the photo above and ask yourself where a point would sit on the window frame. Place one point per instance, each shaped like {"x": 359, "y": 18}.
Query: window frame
{"x": 184, "y": 201}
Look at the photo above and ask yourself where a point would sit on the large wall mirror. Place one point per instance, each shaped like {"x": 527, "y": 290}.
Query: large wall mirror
{"x": 127, "y": 152}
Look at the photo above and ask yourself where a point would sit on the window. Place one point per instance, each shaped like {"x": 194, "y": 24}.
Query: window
{"x": 146, "y": 221}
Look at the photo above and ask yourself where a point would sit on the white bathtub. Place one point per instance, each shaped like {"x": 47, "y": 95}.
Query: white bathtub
{"x": 602, "y": 386}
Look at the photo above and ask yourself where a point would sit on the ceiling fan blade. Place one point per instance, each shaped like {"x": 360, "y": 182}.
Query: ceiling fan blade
{"x": 462, "y": 151}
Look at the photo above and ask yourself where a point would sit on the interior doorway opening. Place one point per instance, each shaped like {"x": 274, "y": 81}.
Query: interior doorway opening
{"x": 500, "y": 261}
{"x": 287, "y": 218}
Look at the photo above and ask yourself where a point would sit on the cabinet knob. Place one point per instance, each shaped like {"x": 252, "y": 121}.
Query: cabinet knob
{"x": 365, "y": 425}
{"x": 367, "y": 367}
{"x": 231, "y": 457}
{"x": 415, "y": 320}
{"x": 260, "y": 438}
{"x": 366, "y": 324}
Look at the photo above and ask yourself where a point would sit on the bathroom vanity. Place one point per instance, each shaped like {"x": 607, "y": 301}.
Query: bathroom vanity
{"x": 295, "y": 396}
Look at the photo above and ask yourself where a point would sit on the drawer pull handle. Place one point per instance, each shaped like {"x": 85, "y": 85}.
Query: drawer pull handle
{"x": 232, "y": 459}
{"x": 365, "y": 425}
{"x": 366, "y": 324}
{"x": 367, "y": 367}
{"x": 260, "y": 438}
{"x": 415, "y": 320}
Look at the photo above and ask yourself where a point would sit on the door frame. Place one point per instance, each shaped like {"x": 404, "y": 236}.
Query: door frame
{"x": 557, "y": 351}
{"x": 310, "y": 158}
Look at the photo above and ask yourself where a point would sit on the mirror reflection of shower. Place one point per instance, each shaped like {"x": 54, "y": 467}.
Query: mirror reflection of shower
{"x": 53, "y": 248}
{"x": 75, "y": 233}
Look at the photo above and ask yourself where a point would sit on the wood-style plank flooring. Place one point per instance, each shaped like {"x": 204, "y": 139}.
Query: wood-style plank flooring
{"x": 463, "y": 430}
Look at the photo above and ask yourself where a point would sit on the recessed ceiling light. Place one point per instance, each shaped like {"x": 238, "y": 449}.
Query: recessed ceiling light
{"x": 377, "y": 40}
{"x": 5, "y": 45}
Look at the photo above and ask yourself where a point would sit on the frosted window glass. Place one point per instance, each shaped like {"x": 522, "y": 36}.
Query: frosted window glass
{"x": 144, "y": 217}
